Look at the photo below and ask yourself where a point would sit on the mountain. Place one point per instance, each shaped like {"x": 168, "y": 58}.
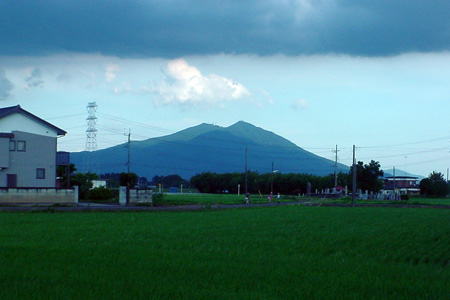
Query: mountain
{"x": 206, "y": 148}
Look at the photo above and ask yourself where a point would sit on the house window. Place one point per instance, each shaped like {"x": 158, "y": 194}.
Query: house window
{"x": 12, "y": 145}
{"x": 21, "y": 146}
{"x": 40, "y": 173}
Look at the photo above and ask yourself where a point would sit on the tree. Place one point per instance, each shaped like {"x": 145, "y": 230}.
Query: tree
{"x": 112, "y": 179}
{"x": 128, "y": 179}
{"x": 282, "y": 183}
{"x": 100, "y": 194}
{"x": 61, "y": 173}
{"x": 434, "y": 185}
{"x": 170, "y": 181}
{"x": 84, "y": 182}
{"x": 207, "y": 182}
{"x": 368, "y": 176}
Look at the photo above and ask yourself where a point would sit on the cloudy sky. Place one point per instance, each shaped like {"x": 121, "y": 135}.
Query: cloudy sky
{"x": 321, "y": 73}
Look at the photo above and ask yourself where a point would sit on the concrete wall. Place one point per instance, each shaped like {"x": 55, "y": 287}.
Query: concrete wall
{"x": 36, "y": 196}
{"x": 137, "y": 196}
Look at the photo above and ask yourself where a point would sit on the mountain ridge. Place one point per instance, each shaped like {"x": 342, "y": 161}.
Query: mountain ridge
{"x": 207, "y": 147}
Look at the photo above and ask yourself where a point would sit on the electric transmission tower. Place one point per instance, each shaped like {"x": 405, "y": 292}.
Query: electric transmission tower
{"x": 91, "y": 134}
{"x": 91, "y": 131}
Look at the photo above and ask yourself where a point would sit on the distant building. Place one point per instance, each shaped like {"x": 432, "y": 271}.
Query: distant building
{"x": 98, "y": 183}
{"x": 404, "y": 184}
{"x": 28, "y": 147}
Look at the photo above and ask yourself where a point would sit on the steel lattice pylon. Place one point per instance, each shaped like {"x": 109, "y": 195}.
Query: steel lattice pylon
{"x": 91, "y": 131}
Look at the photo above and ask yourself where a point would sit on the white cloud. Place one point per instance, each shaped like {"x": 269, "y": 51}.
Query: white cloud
{"x": 268, "y": 98}
{"x": 111, "y": 71}
{"x": 299, "y": 104}
{"x": 185, "y": 84}
{"x": 124, "y": 87}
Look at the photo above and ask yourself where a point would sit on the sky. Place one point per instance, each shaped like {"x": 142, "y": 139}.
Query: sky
{"x": 321, "y": 73}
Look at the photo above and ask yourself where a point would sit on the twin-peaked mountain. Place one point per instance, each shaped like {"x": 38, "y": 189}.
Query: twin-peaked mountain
{"x": 207, "y": 148}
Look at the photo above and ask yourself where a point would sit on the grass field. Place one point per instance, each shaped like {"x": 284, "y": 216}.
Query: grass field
{"x": 285, "y": 252}
{"x": 180, "y": 199}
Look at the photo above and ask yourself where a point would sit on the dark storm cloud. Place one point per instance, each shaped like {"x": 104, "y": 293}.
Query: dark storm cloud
{"x": 174, "y": 28}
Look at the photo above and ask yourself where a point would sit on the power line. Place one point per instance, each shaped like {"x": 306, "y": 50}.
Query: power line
{"x": 65, "y": 117}
{"x": 237, "y": 146}
{"x": 119, "y": 119}
{"x": 411, "y": 143}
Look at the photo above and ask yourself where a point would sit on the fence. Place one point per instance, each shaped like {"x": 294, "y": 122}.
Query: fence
{"x": 38, "y": 195}
{"x": 137, "y": 196}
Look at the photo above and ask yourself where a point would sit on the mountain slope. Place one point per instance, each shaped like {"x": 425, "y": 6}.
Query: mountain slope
{"x": 207, "y": 148}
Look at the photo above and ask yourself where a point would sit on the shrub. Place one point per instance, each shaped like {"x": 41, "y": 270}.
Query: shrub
{"x": 157, "y": 198}
{"x": 100, "y": 194}
{"x": 404, "y": 197}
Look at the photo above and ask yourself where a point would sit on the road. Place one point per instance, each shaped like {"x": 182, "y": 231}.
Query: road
{"x": 99, "y": 207}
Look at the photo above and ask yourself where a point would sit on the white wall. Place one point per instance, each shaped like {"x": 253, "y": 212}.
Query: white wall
{"x": 21, "y": 122}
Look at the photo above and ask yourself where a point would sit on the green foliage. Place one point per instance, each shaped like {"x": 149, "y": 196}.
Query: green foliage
{"x": 84, "y": 182}
{"x": 217, "y": 183}
{"x": 157, "y": 198}
{"x": 286, "y": 184}
{"x": 100, "y": 194}
{"x": 267, "y": 253}
{"x": 128, "y": 179}
{"x": 112, "y": 183}
{"x": 170, "y": 181}
{"x": 435, "y": 185}
{"x": 367, "y": 176}
{"x": 112, "y": 179}
{"x": 61, "y": 172}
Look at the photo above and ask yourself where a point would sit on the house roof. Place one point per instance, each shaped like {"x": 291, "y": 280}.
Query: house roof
{"x": 401, "y": 177}
{"x": 6, "y": 111}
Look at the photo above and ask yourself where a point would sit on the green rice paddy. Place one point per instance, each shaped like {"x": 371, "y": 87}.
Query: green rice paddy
{"x": 285, "y": 252}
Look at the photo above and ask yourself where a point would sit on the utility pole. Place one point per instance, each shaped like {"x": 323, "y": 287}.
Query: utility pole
{"x": 335, "y": 166}
{"x": 393, "y": 168}
{"x": 128, "y": 167}
{"x": 128, "y": 148}
{"x": 246, "y": 186}
{"x": 271, "y": 181}
{"x": 354, "y": 178}
{"x": 447, "y": 175}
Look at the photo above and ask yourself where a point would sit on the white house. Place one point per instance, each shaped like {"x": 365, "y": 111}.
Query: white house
{"x": 28, "y": 148}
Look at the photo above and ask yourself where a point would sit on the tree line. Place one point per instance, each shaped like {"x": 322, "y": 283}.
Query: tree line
{"x": 368, "y": 177}
{"x": 286, "y": 184}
